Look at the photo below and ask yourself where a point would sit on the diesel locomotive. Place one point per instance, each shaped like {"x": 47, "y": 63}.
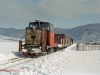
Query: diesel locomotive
{"x": 40, "y": 39}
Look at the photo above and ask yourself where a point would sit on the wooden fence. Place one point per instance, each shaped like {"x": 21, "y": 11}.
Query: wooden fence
{"x": 87, "y": 47}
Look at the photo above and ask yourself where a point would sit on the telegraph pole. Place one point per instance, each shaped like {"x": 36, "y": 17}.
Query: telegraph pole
{"x": 85, "y": 36}
{"x": 1, "y": 38}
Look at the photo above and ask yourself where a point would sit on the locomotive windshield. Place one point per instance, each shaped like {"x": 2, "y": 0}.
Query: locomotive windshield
{"x": 34, "y": 26}
{"x": 45, "y": 26}
{"x": 42, "y": 26}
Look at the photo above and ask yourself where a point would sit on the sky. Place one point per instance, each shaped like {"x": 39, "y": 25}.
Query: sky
{"x": 61, "y": 13}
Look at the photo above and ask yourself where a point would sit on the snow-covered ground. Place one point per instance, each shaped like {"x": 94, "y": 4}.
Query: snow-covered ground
{"x": 65, "y": 62}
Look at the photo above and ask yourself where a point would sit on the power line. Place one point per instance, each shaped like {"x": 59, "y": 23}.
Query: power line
{"x": 98, "y": 14}
{"x": 96, "y": 18}
{"x": 95, "y": 8}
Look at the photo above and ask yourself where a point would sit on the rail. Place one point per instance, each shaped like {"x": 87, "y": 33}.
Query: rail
{"x": 14, "y": 63}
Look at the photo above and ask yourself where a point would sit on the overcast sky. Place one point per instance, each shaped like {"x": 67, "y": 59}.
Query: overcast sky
{"x": 61, "y": 13}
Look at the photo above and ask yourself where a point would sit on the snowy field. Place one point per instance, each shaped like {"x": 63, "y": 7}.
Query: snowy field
{"x": 65, "y": 62}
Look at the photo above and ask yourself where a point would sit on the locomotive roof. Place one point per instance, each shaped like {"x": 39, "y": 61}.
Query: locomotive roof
{"x": 41, "y": 23}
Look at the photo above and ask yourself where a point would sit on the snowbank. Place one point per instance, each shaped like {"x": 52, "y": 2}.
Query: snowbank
{"x": 66, "y": 62}
{"x": 6, "y": 56}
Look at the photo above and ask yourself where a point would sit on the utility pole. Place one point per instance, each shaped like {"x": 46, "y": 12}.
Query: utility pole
{"x": 85, "y": 36}
{"x": 1, "y": 38}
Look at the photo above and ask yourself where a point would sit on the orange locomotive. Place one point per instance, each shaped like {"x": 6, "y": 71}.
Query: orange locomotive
{"x": 39, "y": 39}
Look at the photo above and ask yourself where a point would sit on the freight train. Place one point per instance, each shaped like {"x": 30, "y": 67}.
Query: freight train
{"x": 40, "y": 39}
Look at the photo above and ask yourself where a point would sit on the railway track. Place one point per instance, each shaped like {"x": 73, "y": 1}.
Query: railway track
{"x": 13, "y": 63}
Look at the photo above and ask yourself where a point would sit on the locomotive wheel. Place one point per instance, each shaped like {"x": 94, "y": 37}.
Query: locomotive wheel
{"x": 50, "y": 50}
{"x": 56, "y": 49}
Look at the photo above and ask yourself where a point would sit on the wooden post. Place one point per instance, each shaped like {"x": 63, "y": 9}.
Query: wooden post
{"x": 61, "y": 42}
{"x": 77, "y": 47}
{"x": 20, "y": 45}
{"x": 64, "y": 42}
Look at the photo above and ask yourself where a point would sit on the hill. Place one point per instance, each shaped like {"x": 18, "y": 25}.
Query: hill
{"x": 76, "y": 33}
{"x": 12, "y": 32}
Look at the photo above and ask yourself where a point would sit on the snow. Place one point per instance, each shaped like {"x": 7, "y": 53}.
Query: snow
{"x": 6, "y": 56}
{"x": 6, "y": 50}
{"x": 65, "y": 62}
{"x": 8, "y": 46}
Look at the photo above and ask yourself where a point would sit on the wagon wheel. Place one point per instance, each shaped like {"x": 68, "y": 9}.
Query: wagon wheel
{"x": 50, "y": 50}
{"x": 56, "y": 49}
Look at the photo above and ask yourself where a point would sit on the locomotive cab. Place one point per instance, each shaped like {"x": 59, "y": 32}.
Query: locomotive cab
{"x": 39, "y": 37}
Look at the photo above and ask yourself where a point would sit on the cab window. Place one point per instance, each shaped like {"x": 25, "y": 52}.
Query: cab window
{"x": 45, "y": 26}
{"x": 51, "y": 28}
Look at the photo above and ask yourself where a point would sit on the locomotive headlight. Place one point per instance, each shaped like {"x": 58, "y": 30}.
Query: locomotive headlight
{"x": 22, "y": 47}
{"x": 36, "y": 50}
{"x": 24, "y": 50}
